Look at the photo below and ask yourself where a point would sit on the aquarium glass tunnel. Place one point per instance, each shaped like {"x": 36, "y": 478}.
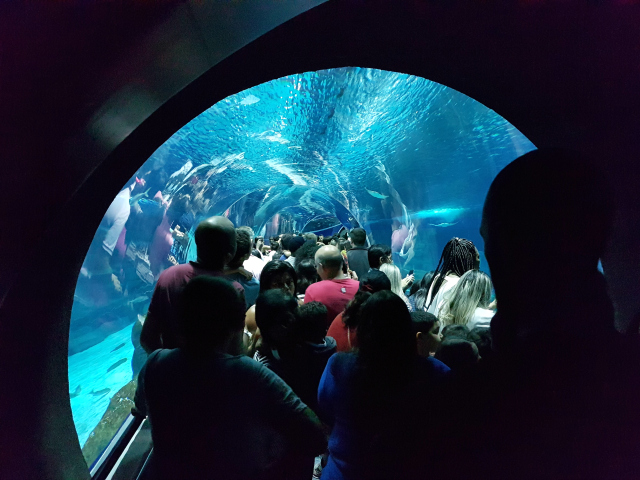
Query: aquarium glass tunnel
{"x": 407, "y": 159}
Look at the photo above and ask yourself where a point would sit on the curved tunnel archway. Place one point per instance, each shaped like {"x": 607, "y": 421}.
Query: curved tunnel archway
{"x": 406, "y": 158}
{"x": 587, "y": 105}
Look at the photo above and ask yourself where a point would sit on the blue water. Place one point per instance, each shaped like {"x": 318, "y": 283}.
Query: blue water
{"x": 382, "y": 150}
{"x": 88, "y": 370}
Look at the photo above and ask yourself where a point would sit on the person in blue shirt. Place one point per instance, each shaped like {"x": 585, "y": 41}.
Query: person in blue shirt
{"x": 371, "y": 395}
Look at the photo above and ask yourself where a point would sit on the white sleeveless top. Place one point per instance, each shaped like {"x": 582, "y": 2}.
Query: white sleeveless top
{"x": 449, "y": 282}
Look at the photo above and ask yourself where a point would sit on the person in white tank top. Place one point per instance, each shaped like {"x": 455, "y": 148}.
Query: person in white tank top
{"x": 468, "y": 302}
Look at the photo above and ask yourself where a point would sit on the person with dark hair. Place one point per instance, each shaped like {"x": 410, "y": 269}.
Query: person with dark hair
{"x": 307, "y": 275}
{"x": 336, "y": 288}
{"x": 422, "y": 287}
{"x": 481, "y": 336}
{"x": 458, "y": 256}
{"x": 294, "y": 345}
{"x": 306, "y": 252}
{"x": 378, "y": 254}
{"x": 253, "y": 263}
{"x": 358, "y": 256}
{"x": 455, "y": 331}
{"x": 284, "y": 242}
{"x": 294, "y": 245}
{"x": 310, "y": 237}
{"x": 276, "y": 249}
{"x": 370, "y": 395}
{"x": 275, "y": 313}
{"x": 215, "y": 240}
{"x": 243, "y": 250}
{"x": 344, "y": 326}
{"x": 311, "y": 352}
{"x": 458, "y": 354}
{"x": 215, "y": 413}
{"x": 276, "y": 274}
{"x": 426, "y": 328}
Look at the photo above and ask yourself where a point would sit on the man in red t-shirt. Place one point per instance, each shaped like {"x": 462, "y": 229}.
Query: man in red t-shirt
{"x": 336, "y": 288}
{"x": 216, "y": 245}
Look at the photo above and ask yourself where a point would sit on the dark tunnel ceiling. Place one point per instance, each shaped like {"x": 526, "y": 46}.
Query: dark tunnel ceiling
{"x": 362, "y": 144}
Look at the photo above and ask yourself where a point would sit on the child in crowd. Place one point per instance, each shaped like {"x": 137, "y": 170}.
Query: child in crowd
{"x": 426, "y": 328}
{"x": 458, "y": 354}
{"x": 455, "y": 331}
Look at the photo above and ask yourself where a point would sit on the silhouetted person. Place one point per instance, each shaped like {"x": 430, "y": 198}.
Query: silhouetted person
{"x": 216, "y": 414}
{"x": 358, "y": 256}
{"x": 563, "y": 402}
{"x": 215, "y": 240}
{"x": 458, "y": 354}
{"x": 251, "y": 285}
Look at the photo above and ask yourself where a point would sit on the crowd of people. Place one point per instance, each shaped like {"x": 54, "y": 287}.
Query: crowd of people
{"x": 314, "y": 355}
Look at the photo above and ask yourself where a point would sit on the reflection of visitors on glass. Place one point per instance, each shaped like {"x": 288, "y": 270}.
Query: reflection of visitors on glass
{"x": 407, "y": 251}
{"x": 180, "y": 237}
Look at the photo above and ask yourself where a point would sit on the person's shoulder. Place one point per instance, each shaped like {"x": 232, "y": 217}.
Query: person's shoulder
{"x": 342, "y": 360}
{"x": 316, "y": 287}
{"x": 255, "y": 261}
{"x": 484, "y": 312}
{"x": 337, "y": 321}
{"x": 162, "y": 357}
{"x": 435, "y": 366}
{"x": 174, "y": 272}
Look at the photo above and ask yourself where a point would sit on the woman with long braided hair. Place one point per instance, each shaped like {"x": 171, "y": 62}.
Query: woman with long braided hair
{"x": 458, "y": 256}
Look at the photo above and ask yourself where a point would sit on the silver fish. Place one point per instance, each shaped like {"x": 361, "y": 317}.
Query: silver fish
{"x": 443, "y": 224}
{"x": 376, "y": 194}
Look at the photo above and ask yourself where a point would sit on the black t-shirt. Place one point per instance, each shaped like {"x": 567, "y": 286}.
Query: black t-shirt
{"x": 358, "y": 260}
{"x": 301, "y": 367}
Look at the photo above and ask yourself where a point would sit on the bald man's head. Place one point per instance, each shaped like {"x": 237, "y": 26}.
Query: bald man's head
{"x": 328, "y": 262}
{"x": 216, "y": 242}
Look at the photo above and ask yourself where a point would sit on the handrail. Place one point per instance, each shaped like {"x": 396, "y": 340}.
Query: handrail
{"x": 119, "y": 442}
